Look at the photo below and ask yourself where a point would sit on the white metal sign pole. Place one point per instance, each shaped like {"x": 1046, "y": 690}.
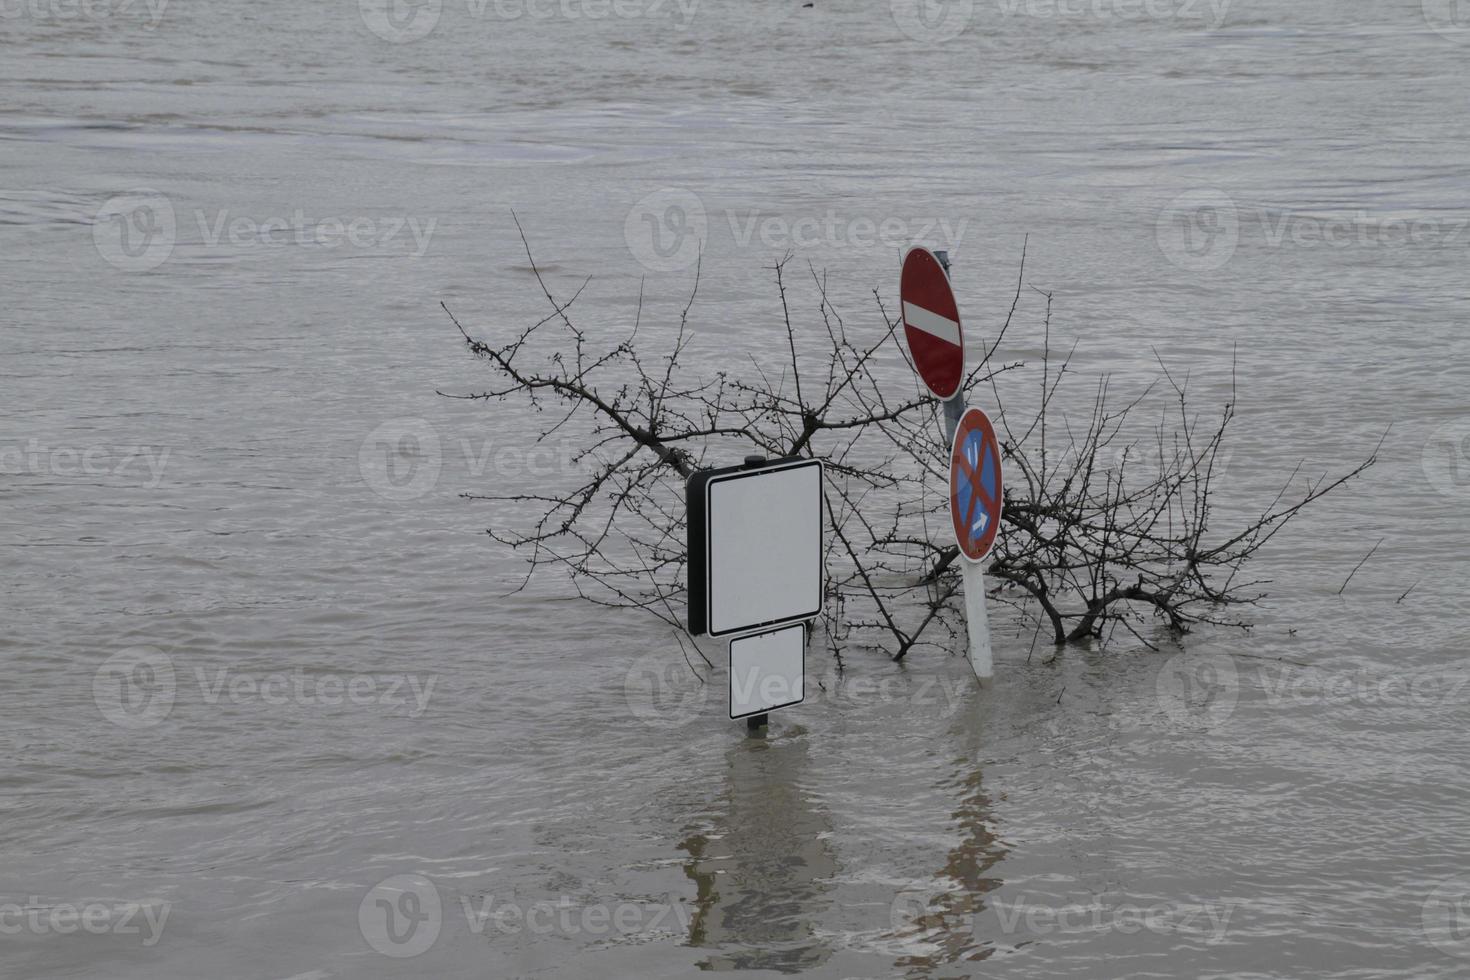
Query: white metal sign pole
{"x": 976, "y": 621}
{"x": 972, "y": 575}
{"x": 942, "y": 315}
{"x": 953, "y": 409}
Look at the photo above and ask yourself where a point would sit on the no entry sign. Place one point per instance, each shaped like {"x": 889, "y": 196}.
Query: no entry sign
{"x": 931, "y": 323}
{"x": 975, "y": 484}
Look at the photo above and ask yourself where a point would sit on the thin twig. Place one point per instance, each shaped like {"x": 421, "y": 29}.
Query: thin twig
{"x": 1360, "y": 565}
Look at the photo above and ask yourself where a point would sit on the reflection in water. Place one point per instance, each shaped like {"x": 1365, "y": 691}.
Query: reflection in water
{"x": 944, "y": 917}
{"x": 762, "y": 868}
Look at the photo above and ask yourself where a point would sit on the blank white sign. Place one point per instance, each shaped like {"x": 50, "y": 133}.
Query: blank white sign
{"x": 767, "y": 671}
{"x": 765, "y": 547}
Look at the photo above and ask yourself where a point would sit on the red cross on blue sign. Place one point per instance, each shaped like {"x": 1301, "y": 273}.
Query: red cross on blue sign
{"x": 975, "y": 484}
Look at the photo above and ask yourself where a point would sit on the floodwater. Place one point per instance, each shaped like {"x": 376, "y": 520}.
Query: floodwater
{"x": 268, "y": 711}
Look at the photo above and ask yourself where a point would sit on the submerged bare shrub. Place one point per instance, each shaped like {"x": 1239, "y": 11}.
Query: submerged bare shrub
{"x": 1106, "y": 522}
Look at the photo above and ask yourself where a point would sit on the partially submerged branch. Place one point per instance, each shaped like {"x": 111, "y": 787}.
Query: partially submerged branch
{"x": 1105, "y": 524}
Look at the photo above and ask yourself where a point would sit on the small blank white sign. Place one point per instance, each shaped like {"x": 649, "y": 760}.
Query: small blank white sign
{"x": 767, "y": 671}
{"x": 765, "y": 547}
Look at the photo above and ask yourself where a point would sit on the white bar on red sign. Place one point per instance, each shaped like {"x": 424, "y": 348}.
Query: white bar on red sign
{"x": 931, "y": 323}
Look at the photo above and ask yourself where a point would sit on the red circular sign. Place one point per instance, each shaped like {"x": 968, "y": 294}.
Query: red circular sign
{"x": 975, "y": 484}
{"x": 931, "y": 323}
